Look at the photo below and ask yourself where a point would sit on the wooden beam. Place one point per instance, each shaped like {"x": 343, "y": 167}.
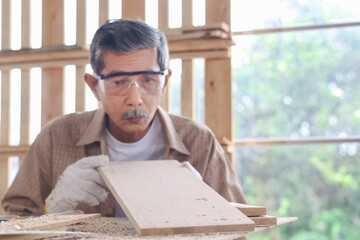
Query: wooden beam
{"x": 218, "y": 102}
{"x": 217, "y": 11}
{"x": 218, "y": 79}
{"x": 104, "y": 11}
{"x": 25, "y": 24}
{"x": 133, "y": 9}
{"x": 52, "y": 78}
{"x": 80, "y": 89}
{"x": 200, "y": 44}
{"x": 5, "y": 24}
{"x": 163, "y": 6}
{"x": 187, "y": 13}
{"x": 188, "y": 89}
{"x": 81, "y": 22}
{"x": 201, "y": 54}
{"x": 5, "y": 169}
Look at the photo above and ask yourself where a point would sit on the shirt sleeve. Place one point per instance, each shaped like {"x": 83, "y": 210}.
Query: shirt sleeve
{"x": 220, "y": 175}
{"x": 32, "y": 184}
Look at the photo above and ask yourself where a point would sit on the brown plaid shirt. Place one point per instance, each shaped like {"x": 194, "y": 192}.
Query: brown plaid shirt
{"x": 69, "y": 138}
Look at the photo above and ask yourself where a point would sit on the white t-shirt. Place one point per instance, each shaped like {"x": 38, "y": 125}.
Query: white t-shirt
{"x": 151, "y": 147}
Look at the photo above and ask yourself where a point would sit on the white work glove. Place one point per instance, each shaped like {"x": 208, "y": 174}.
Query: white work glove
{"x": 79, "y": 183}
{"x": 192, "y": 169}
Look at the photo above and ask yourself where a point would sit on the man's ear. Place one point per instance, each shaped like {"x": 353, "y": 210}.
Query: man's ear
{"x": 91, "y": 82}
{"x": 167, "y": 78}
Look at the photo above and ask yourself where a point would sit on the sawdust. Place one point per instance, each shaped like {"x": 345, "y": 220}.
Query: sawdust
{"x": 45, "y": 222}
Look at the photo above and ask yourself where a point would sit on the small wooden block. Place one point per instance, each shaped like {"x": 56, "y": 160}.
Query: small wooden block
{"x": 250, "y": 210}
{"x": 264, "y": 220}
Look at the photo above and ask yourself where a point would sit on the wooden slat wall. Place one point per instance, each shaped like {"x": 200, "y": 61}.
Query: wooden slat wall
{"x": 216, "y": 54}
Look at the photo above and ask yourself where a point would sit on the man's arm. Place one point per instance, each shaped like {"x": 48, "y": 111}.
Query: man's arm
{"x": 33, "y": 181}
{"x": 220, "y": 175}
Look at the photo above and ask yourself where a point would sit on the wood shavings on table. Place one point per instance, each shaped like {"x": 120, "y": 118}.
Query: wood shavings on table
{"x": 45, "y": 222}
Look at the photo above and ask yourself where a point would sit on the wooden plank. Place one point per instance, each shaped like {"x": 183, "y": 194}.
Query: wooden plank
{"x": 218, "y": 54}
{"x": 250, "y": 210}
{"x": 34, "y": 56}
{"x": 104, "y": 11}
{"x": 208, "y": 27}
{"x": 52, "y": 23}
{"x": 187, "y": 13}
{"x": 218, "y": 101}
{"x": 218, "y": 79}
{"x": 217, "y": 11}
{"x": 81, "y": 22}
{"x": 25, "y": 24}
{"x": 5, "y": 107}
{"x": 25, "y": 75}
{"x": 200, "y": 45}
{"x": 163, "y": 11}
{"x": 133, "y": 9}
{"x": 25, "y": 107}
{"x": 80, "y": 89}
{"x": 5, "y": 24}
{"x": 197, "y": 35}
{"x": 164, "y": 197}
{"x": 52, "y": 94}
{"x": 13, "y": 150}
{"x": 52, "y": 78}
{"x": 166, "y": 98}
{"x": 188, "y": 89}
{"x": 264, "y": 220}
{"x": 4, "y": 177}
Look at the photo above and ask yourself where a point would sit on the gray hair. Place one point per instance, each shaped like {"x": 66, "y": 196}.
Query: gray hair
{"x": 122, "y": 36}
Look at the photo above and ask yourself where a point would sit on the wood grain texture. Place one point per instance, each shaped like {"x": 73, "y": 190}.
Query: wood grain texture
{"x": 264, "y": 220}
{"x": 163, "y": 197}
{"x": 133, "y": 9}
{"x": 250, "y": 210}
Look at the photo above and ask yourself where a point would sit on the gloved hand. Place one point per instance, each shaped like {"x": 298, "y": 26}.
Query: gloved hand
{"x": 80, "y": 183}
{"x": 192, "y": 169}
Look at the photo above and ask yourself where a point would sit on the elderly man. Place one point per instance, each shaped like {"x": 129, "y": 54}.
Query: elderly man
{"x": 130, "y": 64}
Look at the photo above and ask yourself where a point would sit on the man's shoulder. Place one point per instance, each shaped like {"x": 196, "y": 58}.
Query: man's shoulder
{"x": 187, "y": 126}
{"x": 70, "y": 121}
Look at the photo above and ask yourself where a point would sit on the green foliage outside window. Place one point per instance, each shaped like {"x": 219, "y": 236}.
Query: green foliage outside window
{"x": 301, "y": 84}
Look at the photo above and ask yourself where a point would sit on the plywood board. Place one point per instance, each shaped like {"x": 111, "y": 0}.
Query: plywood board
{"x": 250, "y": 210}
{"x": 163, "y": 197}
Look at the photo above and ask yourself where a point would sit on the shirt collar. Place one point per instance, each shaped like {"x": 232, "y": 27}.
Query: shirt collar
{"x": 172, "y": 138}
{"x": 95, "y": 132}
{"x": 96, "y": 129}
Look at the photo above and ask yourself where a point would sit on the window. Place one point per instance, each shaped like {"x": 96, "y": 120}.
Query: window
{"x": 296, "y": 83}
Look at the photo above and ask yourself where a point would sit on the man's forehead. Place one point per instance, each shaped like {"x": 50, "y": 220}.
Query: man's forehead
{"x": 145, "y": 59}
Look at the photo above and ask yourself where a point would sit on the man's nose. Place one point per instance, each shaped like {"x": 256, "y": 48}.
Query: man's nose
{"x": 134, "y": 96}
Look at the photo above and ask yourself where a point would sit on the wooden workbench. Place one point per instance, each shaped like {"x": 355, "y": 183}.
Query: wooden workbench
{"x": 120, "y": 228}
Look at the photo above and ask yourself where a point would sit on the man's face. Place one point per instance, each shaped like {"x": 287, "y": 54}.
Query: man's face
{"x": 123, "y": 125}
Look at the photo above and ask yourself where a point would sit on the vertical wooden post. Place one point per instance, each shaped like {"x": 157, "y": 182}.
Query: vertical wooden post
{"x": 25, "y": 75}
{"x": 218, "y": 79}
{"x": 5, "y": 164}
{"x": 52, "y": 78}
{"x": 163, "y": 6}
{"x": 104, "y": 11}
{"x": 80, "y": 69}
{"x": 187, "y": 76}
{"x": 133, "y": 9}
